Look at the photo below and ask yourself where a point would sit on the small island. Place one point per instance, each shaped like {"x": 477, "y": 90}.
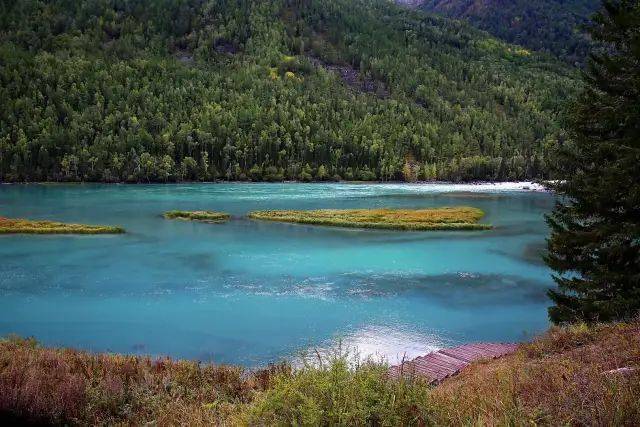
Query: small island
{"x": 203, "y": 216}
{"x": 445, "y": 218}
{"x": 25, "y": 226}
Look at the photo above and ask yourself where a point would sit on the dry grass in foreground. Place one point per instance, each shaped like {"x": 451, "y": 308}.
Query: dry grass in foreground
{"x": 566, "y": 377}
{"x": 204, "y": 216}
{"x": 63, "y": 386}
{"x": 562, "y": 378}
{"x": 447, "y": 218}
{"x": 25, "y": 226}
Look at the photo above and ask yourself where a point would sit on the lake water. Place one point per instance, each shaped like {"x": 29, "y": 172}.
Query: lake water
{"x": 249, "y": 292}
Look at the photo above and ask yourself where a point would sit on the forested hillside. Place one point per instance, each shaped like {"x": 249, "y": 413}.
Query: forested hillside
{"x": 552, "y": 26}
{"x": 170, "y": 90}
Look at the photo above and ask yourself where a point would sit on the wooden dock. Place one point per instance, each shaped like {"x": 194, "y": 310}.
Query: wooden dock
{"x": 441, "y": 364}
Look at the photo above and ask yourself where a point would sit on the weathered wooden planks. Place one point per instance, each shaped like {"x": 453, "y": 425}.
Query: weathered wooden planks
{"x": 441, "y": 364}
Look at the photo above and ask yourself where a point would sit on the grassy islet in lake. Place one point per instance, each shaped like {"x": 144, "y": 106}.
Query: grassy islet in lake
{"x": 204, "y": 216}
{"x": 25, "y": 226}
{"x": 445, "y": 218}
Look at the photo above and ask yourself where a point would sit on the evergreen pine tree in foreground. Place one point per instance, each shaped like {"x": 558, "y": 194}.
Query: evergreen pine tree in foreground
{"x": 595, "y": 228}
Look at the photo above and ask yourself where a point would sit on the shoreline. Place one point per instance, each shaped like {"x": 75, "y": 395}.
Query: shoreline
{"x": 64, "y": 385}
{"x": 471, "y": 185}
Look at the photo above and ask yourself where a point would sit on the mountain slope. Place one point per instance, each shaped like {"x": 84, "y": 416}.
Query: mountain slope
{"x": 174, "y": 90}
{"x": 542, "y": 25}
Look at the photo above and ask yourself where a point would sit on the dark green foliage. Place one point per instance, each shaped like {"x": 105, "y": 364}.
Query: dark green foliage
{"x": 552, "y": 26}
{"x": 174, "y": 90}
{"x": 595, "y": 240}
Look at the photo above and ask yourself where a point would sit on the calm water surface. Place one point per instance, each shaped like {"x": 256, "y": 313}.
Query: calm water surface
{"x": 249, "y": 292}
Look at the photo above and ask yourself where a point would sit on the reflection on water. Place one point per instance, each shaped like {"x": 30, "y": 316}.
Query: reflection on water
{"x": 378, "y": 343}
{"x": 532, "y": 252}
{"x": 254, "y": 292}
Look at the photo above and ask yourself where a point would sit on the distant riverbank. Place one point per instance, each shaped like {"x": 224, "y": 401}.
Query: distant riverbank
{"x": 473, "y": 186}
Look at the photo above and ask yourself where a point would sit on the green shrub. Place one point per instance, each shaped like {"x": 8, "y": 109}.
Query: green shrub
{"x": 338, "y": 395}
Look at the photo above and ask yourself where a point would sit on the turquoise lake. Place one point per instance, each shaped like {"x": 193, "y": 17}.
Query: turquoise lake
{"x": 250, "y": 293}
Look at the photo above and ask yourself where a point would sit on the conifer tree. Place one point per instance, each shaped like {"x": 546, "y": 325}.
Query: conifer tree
{"x": 594, "y": 246}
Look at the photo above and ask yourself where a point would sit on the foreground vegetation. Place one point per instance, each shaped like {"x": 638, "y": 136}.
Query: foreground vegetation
{"x": 175, "y": 90}
{"x": 563, "y": 378}
{"x": 573, "y": 375}
{"x": 204, "y": 216}
{"x": 25, "y": 226}
{"x": 448, "y": 218}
